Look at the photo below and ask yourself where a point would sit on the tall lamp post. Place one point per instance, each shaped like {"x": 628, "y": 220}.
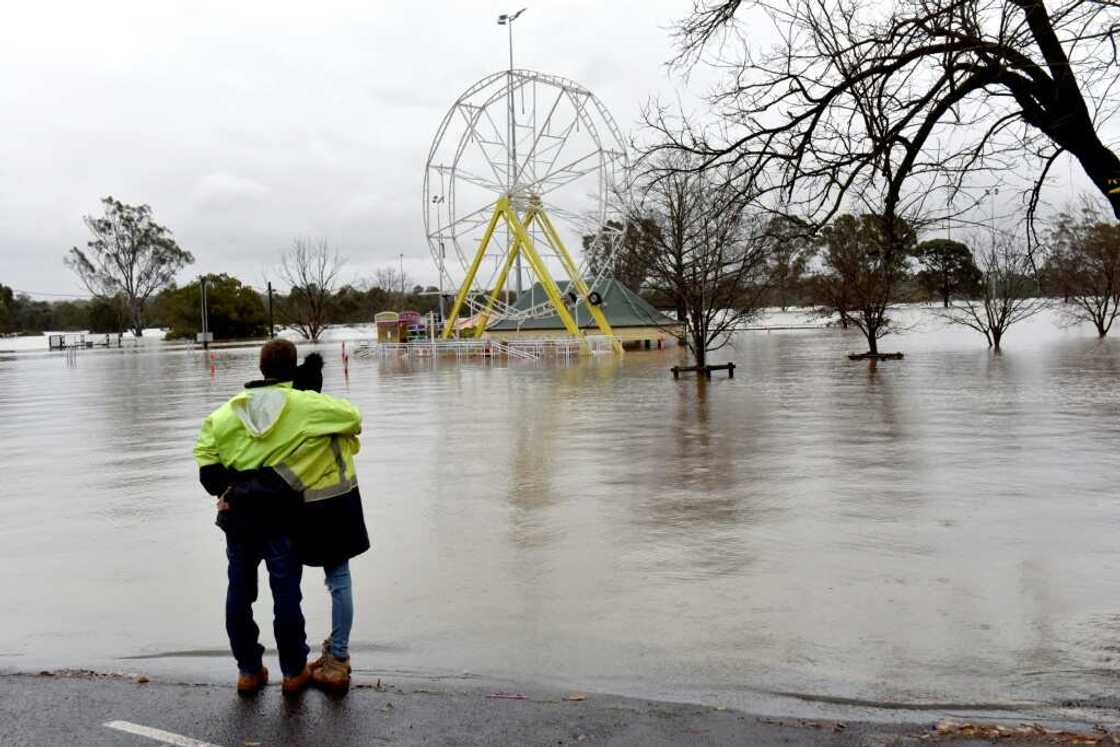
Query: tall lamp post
{"x": 993, "y": 193}
{"x": 507, "y": 19}
{"x": 402, "y": 277}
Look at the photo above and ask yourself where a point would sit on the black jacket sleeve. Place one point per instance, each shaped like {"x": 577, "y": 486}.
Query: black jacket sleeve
{"x": 215, "y": 478}
{"x": 259, "y": 490}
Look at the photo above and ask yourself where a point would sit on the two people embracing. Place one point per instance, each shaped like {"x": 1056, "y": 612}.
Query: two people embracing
{"x": 279, "y": 458}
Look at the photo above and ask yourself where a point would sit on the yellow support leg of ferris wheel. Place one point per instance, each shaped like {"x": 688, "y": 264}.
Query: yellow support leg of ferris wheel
{"x": 577, "y": 280}
{"x": 523, "y": 245}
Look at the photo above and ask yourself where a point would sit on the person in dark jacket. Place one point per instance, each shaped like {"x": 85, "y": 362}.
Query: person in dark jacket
{"x": 327, "y": 529}
{"x": 329, "y": 533}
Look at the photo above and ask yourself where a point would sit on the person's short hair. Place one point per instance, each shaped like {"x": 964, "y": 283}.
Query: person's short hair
{"x": 278, "y": 360}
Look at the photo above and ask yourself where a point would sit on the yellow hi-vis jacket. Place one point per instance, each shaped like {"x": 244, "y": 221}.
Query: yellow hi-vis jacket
{"x": 309, "y": 438}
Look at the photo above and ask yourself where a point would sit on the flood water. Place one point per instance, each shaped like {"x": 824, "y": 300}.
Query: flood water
{"x": 941, "y": 529}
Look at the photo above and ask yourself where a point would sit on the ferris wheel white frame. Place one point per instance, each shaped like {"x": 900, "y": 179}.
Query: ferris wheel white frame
{"x": 520, "y": 189}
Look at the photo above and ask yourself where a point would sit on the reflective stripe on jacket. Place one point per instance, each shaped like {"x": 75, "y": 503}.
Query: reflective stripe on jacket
{"x": 321, "y": 468}
{"x": 309, "y": 438}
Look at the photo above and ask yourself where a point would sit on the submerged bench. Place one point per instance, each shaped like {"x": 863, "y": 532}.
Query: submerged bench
{"x": 706, "y": 370}
{"x": 874, "y": 356}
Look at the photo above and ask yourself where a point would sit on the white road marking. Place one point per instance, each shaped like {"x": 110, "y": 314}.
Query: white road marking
{"x": 166, "y": 737}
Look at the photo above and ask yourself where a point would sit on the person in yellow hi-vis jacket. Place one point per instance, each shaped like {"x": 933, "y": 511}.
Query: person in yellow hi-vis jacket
{"x": 295, "y": 446}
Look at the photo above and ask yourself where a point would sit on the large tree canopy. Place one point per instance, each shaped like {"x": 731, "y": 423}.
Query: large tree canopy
{"x": 909, "y": 95}
{"x": 130, "y": 255}
{"x": 948, "y": 269}
{"x": 234, "y": 310}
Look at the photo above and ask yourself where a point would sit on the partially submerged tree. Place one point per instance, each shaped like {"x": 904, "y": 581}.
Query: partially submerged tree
{"x": 310, "y": 269}
{"x": 954, "y": 87}
{"x": 863, "y": 260}
{"x": 948, "y": 269}
{"x": 130, "y": 254}
{"x": 1008, "y": 292}
{"x": 708, "y": 260}
{"x": 1087, "y": 266}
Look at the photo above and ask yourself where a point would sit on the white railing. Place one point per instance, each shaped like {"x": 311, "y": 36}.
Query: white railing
{"x": 515, "y": 349}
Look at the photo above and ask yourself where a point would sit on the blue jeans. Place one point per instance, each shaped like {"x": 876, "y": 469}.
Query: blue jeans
{"x": 285, "y": 570}
{"x": 337, "y": 579}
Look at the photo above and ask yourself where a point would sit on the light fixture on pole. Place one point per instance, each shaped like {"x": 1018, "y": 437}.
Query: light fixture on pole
{"x": 992, "y": 192}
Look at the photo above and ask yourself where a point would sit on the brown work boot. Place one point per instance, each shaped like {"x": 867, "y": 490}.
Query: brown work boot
{"x": 251, "y": 684}
{"x": 334, "y": 674}
{"x": 298, "y": 683}
{"x": 323, "y": 653}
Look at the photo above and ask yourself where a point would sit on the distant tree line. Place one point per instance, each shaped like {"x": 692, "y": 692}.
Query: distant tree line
{"x": 130, "y": 264}
{"x": 237, "y": 310}
{"x": 680, "y": 252}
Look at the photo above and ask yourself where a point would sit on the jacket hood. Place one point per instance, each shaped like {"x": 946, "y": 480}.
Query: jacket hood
{"x": 260, "y": 408}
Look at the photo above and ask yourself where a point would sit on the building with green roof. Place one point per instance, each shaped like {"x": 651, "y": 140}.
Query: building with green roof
{"x": 633, "y": 319}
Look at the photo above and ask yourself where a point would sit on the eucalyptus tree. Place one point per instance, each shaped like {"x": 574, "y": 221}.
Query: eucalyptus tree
{"x": 791, "y": 249}
{"x": 948, "y": 269}
{"x": 130, "y": 256}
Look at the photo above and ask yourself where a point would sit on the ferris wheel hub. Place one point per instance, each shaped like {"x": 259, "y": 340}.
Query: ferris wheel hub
{"x": 522, "y": 197}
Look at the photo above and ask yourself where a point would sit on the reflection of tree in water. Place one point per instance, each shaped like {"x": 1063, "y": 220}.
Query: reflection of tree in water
{"x": 875, "y": 442}
{"x": 695, "y": 496}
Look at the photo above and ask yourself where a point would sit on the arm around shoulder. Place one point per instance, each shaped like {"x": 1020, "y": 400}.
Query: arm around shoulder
{"x": 331, "y": 416}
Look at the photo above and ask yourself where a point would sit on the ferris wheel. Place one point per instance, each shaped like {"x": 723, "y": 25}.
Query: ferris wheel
{"x": 523, "y": 168}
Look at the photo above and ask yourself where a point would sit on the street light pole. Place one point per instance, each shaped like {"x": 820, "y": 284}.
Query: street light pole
{"x": 507, "y": 19}
{"x": 205, "y": 314}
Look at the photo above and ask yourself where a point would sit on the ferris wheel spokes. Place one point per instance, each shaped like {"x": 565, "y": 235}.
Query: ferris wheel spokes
{"x": 522, "y": 167}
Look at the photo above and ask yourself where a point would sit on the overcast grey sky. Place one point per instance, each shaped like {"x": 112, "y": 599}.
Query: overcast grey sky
{"x": 247, "y": 124}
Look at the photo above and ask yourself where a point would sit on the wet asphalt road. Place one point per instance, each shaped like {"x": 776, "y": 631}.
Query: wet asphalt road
{"x": 41, "y": 710}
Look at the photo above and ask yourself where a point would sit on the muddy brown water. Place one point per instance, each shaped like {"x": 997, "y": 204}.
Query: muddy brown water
{"x": 941, "y": 529}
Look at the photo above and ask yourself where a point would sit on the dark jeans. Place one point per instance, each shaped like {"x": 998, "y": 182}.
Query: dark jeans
{"x": 285, "y": 569}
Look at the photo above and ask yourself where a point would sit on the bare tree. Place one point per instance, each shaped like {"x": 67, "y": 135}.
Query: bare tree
{"x": 1087, "y": 263}
{"x": 1007, "y": 291}
{"x": 954, "y": 88}
{"x": 394, "y": 283}
{"x": 863, "y": 261}
{"x": 631, "y": 244}
{"x": 707, "y": 258}
{"x": 310, "y": 269}
{"x": 130, "y": 255}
